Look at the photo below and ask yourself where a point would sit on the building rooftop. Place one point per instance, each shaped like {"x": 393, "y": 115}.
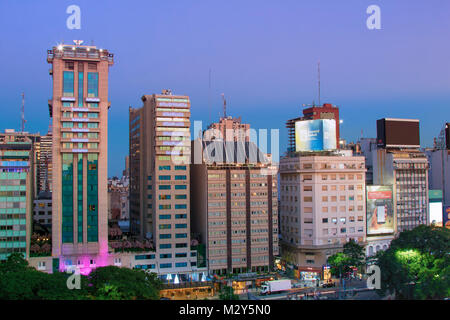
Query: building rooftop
{"x": 78, "y": 51}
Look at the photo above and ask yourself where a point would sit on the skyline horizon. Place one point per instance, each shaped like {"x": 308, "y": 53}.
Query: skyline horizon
{"x": 265, "y": 62}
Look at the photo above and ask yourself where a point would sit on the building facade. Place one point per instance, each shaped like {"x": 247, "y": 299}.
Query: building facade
{"x": 42, "y": 209}
{"x": 322, "y": 207}
{"x": 16, "y": 192}
{"x": 234, "y": 208}
{"x": 79, "y": 110}
{"x": 159, "y": 179}
{"x": 45, "y": 163}
{"x": 407, "y": 171}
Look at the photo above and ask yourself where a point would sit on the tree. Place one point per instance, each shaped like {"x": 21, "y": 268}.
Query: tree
{"x": 227, "y": 293}
{"x": 417, "y": 264}
{"x": 14, "y": 262}
{"x": 340, "y": 264}
{"x": 355, "y": 252}
{"x": 18, "y": 281}
{"x": 123, "y": 283}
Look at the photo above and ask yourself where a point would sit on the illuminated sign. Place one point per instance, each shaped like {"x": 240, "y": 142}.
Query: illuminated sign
{"x": 380, "y": 213}
{"x": 315, "y": 135}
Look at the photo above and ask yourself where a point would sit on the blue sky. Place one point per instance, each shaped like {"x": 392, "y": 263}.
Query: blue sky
{"x": 263, "y": 56}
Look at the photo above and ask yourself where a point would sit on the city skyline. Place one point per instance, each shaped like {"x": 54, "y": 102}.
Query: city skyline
{"x": 263, "y": 58}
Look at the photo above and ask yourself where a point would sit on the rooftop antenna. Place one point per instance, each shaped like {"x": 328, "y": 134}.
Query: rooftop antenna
{"x": 318, "y": 71}
{"x": 224, "y": 105}
{"x": 23, "y": 113}
{"x": 209, "y": 95}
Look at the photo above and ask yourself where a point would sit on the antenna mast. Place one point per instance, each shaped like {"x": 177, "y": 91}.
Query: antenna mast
{"x": 318, "y": 70}
{"x": 209, "y": 96}
{"x": 224, "y": 106}
{"x": 23, "y": 113}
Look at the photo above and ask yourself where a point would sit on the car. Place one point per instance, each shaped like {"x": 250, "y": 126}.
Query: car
{"x": 328, "y": 284}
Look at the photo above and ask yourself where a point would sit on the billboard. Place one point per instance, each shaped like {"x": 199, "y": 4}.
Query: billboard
{"x": 398, "y": 133}
{"x": 446, "y": 217}
{"x": 435, "y": 207}
{"x": 380, "y": 210}
{"x": 315, "y": 135}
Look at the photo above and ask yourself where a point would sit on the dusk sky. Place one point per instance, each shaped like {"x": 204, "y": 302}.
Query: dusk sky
{"x": 263, "y": 56}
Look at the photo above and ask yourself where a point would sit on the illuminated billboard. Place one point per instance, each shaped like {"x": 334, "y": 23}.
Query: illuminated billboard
{"x": 446, "y": 219}
{"x": 435, "y": 207}
{"x": 380, "y": 211}
{"x": 315, "y": 135}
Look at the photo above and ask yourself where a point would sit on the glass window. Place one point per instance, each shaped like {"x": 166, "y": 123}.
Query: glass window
{"x": 67, "y": 83}
{"x": 80, "y": 89}
{"x": 92, "y": 84}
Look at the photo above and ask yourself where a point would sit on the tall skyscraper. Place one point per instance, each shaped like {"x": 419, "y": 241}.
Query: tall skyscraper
{"x": 159, "y": 178}
{"x": 79, "y": 108}
{"x": 16, "y": 192}
{"x": 235, "y": 207}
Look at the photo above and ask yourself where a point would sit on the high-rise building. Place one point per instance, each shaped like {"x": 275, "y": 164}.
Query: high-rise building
{"x": 397, "y": 167}
{"x": 159, "y": 178}
{"x": 234, "y": 206}
{"x": 16, "y": 192}
{"x": 399, "y": 162}
{"x": 79, "y": 109}
{"x": 322, "y": 207}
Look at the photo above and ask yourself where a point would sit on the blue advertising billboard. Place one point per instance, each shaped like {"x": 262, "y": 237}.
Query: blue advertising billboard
{"x": 315, "y": 135}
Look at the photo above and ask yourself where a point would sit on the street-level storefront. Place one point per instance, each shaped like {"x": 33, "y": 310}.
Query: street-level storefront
{"x": 189, "y": 291}
{"x": 310, "y": 274}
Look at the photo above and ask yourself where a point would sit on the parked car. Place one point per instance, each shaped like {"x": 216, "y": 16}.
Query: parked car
{"x": 328, "y": 284}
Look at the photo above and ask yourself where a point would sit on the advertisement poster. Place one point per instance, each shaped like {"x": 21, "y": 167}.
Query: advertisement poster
{"x": 447, "y": 217}
{"x": 380, "y": 213}
{"x": 315, "y": 135}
